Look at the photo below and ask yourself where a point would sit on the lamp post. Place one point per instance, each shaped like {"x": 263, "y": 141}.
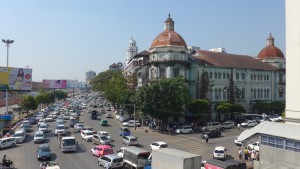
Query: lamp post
{"x": 8, "y": 42}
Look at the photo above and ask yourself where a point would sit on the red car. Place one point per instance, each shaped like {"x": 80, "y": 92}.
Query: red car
{"x": 102, "y": 150}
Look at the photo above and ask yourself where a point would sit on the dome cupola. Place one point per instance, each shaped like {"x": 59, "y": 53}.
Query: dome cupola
{"x": 270, "y": 51}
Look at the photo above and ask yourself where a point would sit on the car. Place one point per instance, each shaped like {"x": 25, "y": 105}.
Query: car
{"x": 41, "y": 121}
{"x": 211, "y": 134}
{"x": 227, "y": 125}
{"x": 25, "y": 122}
{"x": 211, "y": 126}
{"x": 108, "y": 115}
{"x": 103, "y": 122}
{"x": 275, "y": 117}
{"x": 130, "y": 140}
{"x": 219, "y": 153}
{"x": 38, "y": 117}
{"x": 72, "y": 122}
{"x": 104, "y": 133}
{"x": 20, "y": 136}
{"x": 66, "y": 116}
{"x": 131, "y": 123}
{"x": 7, "y": 142}
{"x": 38, "y": 137}
{"x": 26, "y": 128}
{"x": 113, "y": 160}
{"x": 124, "y": 131}
{"x": 86, "y": 135}
{"x": 89, "y": 128}
{"x": 43, "y": 127}
{"x": 49, "y": 118}
{"x": 102, "y": 150}
{"x": 237, "y": 142}
{"x": 44, "y": 152}
{"x": 158, "y": 145}
{"x": 249, "y": 123}
{"x": 184, "y": 129}
{"x": 254, "y": 146}
{"x": 60, "y": 129}
{"x": 33, "y": 120}
{"x": 100, "y": 139}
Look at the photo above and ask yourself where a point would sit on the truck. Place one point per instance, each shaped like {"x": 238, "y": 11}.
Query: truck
{"x": 67, "y": 144}
{"x": 228, "y": 164}
{"x": 167, "y": 158}
{"x": 134, "y": 157}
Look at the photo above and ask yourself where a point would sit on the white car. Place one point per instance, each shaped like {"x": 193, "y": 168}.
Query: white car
{"x": 43, "y": 127}
{"x": 78, "y": 127}
{"x": 158, "y": 145}
{"x": 108, "y": 115}
{"x": 219, "y": 153}
{"x": 237, "y": 142}
{"x": 38, "y": 117}
{"x": 249, "y": 123}
{"x": 184, "y": 129}
{"x": 60, "y": 129}
{"x": 41, "y": 121}
{"x": 254, "y": 146}
{"x": 227, "y": 125}
{"x": 87, "y": 135}
{"x": 120, "y": 152}
{"x": 49, "y": 118}
{"x": 104, "y": 133}
{"x": 131, "y": 123}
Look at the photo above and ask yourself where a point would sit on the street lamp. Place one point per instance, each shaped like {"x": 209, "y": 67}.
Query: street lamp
{"x": 8, "y": 42}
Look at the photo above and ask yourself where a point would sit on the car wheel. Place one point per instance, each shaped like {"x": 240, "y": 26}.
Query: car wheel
{"x": 13, "y": 145}
{"x": 99, "y": 163}
{"x": 190, "y": 131}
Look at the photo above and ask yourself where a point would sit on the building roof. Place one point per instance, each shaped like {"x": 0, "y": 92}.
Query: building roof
{"x": 272, "y": 128}
{"x": 231, "y": 60}
{"x": 113, "y": 65}
{"x": 168, "y": 38}
{"x": 143, "y": 53}
{"x": 270, "y": 51}
{"x": 177, "y": 153}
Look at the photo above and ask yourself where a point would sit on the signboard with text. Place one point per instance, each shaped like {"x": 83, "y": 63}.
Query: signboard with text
{"x": 55, "y": 84}
{"x": 12, "y": 78}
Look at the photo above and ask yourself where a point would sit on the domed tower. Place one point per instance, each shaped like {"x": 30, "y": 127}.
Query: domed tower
{"x": 271, "y": 54}
{"x": 132, "y": 50}
{"x": 168, "y": 54}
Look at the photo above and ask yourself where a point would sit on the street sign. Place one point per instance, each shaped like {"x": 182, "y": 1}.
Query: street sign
{"x": 6, "y": 117}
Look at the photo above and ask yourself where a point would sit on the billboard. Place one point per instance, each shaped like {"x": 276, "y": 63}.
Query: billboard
{"x": 12, "y": 78}
{"x": 55, "y": 84}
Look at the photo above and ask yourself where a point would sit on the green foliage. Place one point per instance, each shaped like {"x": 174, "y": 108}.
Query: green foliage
{"x": 199, "y": 107}
{"x": 45, "y": 98}
{"x": 278, "y": 105}
{"x": 60, "y": 95}
{"x": 204, "y": 85}
{"x": 164, "y": 98}
{"x": 28, "y": 103}
{"x": 262, "y": 107}
{"x": 238, "y": 108}
{"x": 224, "y": 107}
{"x": 101, "y": 81}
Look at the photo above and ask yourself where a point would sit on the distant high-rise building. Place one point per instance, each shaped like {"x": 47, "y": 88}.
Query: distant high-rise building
{"x": 89, "y": 76}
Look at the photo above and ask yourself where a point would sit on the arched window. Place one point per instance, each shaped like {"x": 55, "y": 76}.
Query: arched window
{"x": 265, "y": 77}
{"x": 224, "y": 75}
{"x": 251, "y": 76}
{"x": 280, "y": 77}
{"x": 268, "y": 77}
{"x": 258, "y": 93}
{"x": 216, "y": 94}
{"x": 254, "y": 76}
{"x": 224, "y": 93}
{"x": 265, "y": 93}
{"x": 237, "y": 76}
{"x": 268, "y": 96}
{"x": 243, "y": 93}
{"x": 243, "y": 76}
{"x": 176, "y": 71}
{"x": 251, "y": 93}
{"x": 162, "y": 73}
{"x": 216, "y": 75}
{"x": 254, "y": 94}
{"x": 210, "y": 74}
{"x": 219, "y": 75}
{"x": 219, "y": 94}
{"x": 228, "y": 76}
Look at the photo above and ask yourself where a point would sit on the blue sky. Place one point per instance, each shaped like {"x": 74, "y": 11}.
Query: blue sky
{"x": 62, "y": 39}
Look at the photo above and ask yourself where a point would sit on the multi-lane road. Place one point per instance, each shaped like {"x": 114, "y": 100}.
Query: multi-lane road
{"x": 24, "y": 155}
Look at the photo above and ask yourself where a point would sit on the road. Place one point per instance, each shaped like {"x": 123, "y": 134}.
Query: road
{"x": 24, "y": 155}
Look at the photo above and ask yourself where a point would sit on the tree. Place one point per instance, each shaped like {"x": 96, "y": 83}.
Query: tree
{"x": 204, "y": 85}
{"x": 28, "y": 103}
{"x": 238, "y": 108}
{"x": 224, "y": 109}
{"x": 60, "y": 95}
{"x": 262, "y": 107}
{"x": 164, "y": 98}
{"x": 278, "y": 106}
{"x": 199, "y": 108}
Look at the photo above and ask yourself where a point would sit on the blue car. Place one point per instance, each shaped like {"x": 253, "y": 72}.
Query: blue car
{"x": 26, "y": 128}
{"x": 124, "y": 131}
{"x": 44, "y": 152}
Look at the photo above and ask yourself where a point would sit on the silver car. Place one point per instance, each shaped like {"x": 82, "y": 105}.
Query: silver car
{"x": 113, "y": 160}
{"x": 130, "y": 140}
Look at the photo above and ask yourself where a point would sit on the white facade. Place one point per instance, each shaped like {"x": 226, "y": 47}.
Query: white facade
{"x": 89, "y": 76}
{"x": 293, "y": 61}
{"x": 132, "y": 50}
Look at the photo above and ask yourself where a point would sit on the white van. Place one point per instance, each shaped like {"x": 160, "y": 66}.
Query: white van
{"x": 211, "y": 126}
{"x": 20, "y": 136}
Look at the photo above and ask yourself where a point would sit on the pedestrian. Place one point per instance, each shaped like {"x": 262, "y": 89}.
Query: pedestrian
{"x": 206, "y": 138}
{"x": 239, "y": 126}
{"x": 257, "y": 155}
{"x": 240, "y": 154}
{"x": 253, "y": 156}
{"x": 107, "y": 165}
{"x": 246, "y": 154}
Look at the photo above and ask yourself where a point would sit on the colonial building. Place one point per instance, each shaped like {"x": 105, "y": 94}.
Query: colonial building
{"x": 261, "y": 78}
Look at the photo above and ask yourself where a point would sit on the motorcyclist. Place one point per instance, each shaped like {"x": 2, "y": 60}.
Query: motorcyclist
{"x": 6, "y": 162}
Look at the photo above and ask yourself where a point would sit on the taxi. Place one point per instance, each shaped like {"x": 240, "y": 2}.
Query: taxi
{"x": 102, "y": 150}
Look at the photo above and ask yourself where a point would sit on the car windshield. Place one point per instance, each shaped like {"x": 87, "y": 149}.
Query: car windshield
{"x": 133, "y": 139}
{"x": 89, "y": 133}
{"x": 69, "y": 142}
{"x": 43, "y": 126}
{"x": 219, "y": 151}
{"x": 39, "y": 135}
{"x": 60, "y": 127}
{"x": 103, "y": 138}
{"x": 18, "y": 134}
{"x": 108, "y": 150}
{"x": 117, "y": 160}
{"x": 44, "y": 149}
{"x": 164, "y": 146}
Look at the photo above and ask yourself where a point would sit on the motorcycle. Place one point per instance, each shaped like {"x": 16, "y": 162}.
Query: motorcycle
{"x": 9, "y": 165}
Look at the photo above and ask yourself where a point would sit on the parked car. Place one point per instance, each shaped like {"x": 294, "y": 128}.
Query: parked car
{"x": 237, "y": 142}
{"x": 100, "y": 139}
{"x": 87, "y": 135}
{"x": 211, "y": 126}
{"x": 102, "y": 150}
{"x": 26, "y": 128}
{"x": 158, "y": 145}
{"x": 130, "y": 140}
{"x": 211, "y": 134}
{"x": 249, "y": 123}
{"x": 44, "y": 152}
{"x": 220, "y": 153}
{"x": 113, "y": 160}
{"x": 33, "y": 120}
{"x": 39, "y": 137}
{"x": 184, "y": 129}
{"x": 131, "y": 123}
{"x": 227, "y": 125}
{"x": 7, "y": 142}
{"x": 254, "y": 146}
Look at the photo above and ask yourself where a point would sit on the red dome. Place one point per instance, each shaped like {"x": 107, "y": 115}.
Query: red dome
{"x": 168, "y": 38}
{"x": 270, "y": 51}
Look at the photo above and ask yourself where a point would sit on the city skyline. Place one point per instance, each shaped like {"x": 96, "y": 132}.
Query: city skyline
{"x": 62, "y": 40}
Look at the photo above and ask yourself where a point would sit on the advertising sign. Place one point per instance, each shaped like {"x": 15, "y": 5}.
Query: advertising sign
{"x": 72, "y": 84}
{"x": 13, "y": 78}
{"x": 55, "y": 84}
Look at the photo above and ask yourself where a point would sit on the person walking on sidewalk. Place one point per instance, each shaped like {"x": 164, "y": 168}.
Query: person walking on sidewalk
{"x": 240, "y": 154}
{"x": 239, "y": 126}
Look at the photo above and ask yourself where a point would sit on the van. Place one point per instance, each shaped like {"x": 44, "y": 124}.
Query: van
{"x": 114, "y": 161}
{"x": 211, "y": 126}
{"x": 7, "y": 142}
{"x": 20, "y": 136}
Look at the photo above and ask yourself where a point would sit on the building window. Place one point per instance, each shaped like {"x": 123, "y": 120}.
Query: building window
{"x": 237, "y": 76}
{"x": 224, "y": 93}
{"x": 216, "y": 75}
{"x": 254, "y": 76}
{"x": 279, "y": 143}
{"x": 210, "y": 74}
{"x": 265, "y": 93}
{"x": 219, "y": 75}
{"x": 289, "y": 145}
{"x": 153, "y": 73}
{"x": 251, "y": 76}
{"x": 254, "y": 93}
{"x": 243, "y": 93}
{"x": 280, "y": 77}
{"x": 268, "y": 96}
{"x": 162, "y": 72}
{"x": 251, "y": 93}
{"x": 224, "y": 76}
{"x": 243, "y": 76}
{"x": 227, "y": 75}
{"x": 176, "y": 71}
{"x": 267, "y": 77}
{"x": 216, "y": 94}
